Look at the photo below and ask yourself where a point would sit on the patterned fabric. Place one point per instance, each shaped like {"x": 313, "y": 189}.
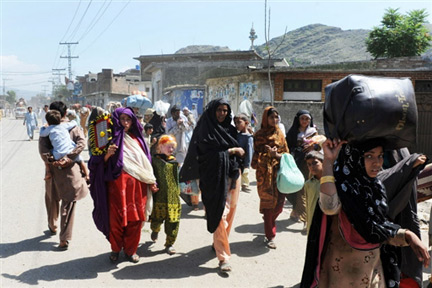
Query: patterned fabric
{"x": 266, "y": 166}
{"x": 166, "y": 202}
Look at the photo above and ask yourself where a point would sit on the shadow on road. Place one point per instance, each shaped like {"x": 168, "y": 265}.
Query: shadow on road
{"x": 83, "y": 268}
{"x": 28, "y": 245}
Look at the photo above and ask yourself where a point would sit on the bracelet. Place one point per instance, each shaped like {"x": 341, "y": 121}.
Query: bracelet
{"x": 327, "y": 179}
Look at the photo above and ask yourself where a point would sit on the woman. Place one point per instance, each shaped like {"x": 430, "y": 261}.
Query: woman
{"x": 348, "y": 244}
{"x": 301, "y": 130}
{"x": 215, "y": 146}
{"x": 120, "y": 180}
{"x": 269, "y": 145}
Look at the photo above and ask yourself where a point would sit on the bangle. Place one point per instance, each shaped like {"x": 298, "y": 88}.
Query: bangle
{"x": 327, "y": 179}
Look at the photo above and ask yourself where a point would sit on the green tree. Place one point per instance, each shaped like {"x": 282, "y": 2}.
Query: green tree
{"x": 399, "y": 35}
{"x": 11, "y": 97}
{"x": 62, "y": 94}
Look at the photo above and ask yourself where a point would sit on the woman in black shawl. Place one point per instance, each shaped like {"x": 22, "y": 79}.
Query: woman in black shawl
{"x": 345, "y": 244}
{"x": 215, "y": 147}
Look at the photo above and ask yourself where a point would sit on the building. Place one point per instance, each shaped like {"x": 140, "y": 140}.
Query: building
{"x": 104, "y": 87}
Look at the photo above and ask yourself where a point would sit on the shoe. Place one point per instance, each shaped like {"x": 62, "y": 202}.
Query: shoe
{"x": 114, "y": 256}
{"x": 271, "y": 244}
{"x": 224, "y": 267}
{"x": 52, "y": 231}
{"x": 245, "y": 189}
{"x": 195, "y": 207}
{"x": 133, "y": 258}
{"x": 170, "y": 250}
{"x": 64, "y": 245}
{"x": 154, "y": 236}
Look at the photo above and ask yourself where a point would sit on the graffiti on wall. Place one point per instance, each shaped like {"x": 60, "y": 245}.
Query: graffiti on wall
{"x": 227, "y": 92}
{"x": 249, "y": 91}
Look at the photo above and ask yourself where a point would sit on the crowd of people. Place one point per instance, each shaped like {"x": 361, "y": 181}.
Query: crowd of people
{"x": 349, "y": 204}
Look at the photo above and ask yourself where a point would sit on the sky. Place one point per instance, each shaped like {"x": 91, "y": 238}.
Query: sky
{"x": 111, "y": 33}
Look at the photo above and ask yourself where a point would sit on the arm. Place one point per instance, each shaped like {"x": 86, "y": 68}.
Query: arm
{"x": 405, "y": 238}
{"x": 329, "y": 200}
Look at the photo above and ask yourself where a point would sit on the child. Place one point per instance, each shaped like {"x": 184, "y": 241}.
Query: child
{"x": 148, "y": 131}
{"x": 245, "y": 140}
{"x": 60, "y": 140}
{"x": 166, "y": 202}
{"x": 314, "y": 160}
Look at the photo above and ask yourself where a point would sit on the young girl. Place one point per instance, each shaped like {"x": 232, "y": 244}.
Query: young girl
{"x": 166, "y": 202}
{"x": 269, "y": 145}
{"x": 245, "y": 140}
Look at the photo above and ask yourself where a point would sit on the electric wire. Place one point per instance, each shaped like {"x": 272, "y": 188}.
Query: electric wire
{"x": 80, "y": 21}
{"x": 96, "y": 19}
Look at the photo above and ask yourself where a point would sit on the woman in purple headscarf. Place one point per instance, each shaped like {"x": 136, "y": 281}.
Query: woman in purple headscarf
{"x": 120, "y": 181}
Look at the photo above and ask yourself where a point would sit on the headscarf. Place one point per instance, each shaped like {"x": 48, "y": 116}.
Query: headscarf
{"x": 209, "y": 145}
{"x": 291, "y": 136}
{"x": 101, "y": 172}
{"x": 364, "y": 202}
{"x": 267, "y": 166}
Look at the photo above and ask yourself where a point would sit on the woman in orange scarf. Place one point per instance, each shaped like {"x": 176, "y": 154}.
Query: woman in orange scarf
{"x": 269, "y": 145}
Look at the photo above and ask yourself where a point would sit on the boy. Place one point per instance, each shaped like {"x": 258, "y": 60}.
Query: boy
{"x": 245, "y": 140}
{"x": 148, "y": 131}
{"x": 60, "y": 140}
{"x": 314, "y": 161}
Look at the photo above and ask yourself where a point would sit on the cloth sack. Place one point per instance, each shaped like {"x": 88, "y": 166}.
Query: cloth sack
{"x": 289, "y": 178}
{"x": 360, "y": 107}
{"x": 189, "y": 188}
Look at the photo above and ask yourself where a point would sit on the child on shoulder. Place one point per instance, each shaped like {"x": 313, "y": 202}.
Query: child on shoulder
{"x": 166, "y": 202}
{"x": 314, "y": 161}
{"x": 60, "y": 140}
{"x": 245, "y": 140}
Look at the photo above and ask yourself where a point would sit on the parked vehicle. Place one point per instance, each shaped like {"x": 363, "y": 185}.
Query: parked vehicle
{"x": 20, "y": 109}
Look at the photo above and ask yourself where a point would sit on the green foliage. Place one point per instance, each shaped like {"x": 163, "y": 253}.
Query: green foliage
{"x": 11, "y": 97}
{"x": 399, "y": 35}
{"x": 61, "y": 93}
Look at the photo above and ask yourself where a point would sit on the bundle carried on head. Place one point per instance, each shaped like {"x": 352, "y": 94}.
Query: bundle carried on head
{"x": 360, "y": 107}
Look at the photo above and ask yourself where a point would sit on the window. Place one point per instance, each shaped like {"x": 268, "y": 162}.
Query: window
{"x": 302, "y": 86}
{"x": 302, "y": 90}
{"x": 423, "y": 86}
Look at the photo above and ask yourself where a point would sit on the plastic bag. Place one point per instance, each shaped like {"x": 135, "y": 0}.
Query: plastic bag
{"x": 161, "y": 107}
{"x": 289, "y": 177}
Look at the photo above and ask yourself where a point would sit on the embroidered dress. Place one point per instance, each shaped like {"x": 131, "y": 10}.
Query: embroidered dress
{"x": 166, "y": 202}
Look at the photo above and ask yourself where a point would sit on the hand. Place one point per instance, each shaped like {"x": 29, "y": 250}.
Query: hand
{"x": 308, "y": 148}
{"x": 331, "y": 148}
{"x": 239, "y": 151}
{"x": 154, "y": 188}
{"x": 420, "y": 160}
{"x": 63, "y": 162}
{"x": 420, "y": 250}
{"x": 111, "y": 150}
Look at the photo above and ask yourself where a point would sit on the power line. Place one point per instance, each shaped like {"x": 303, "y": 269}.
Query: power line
{"x": 118, "y": 14}
{"x": 95, "y": 21}
{"x": 80, "y": 21}
{"x": 70, "y": 24}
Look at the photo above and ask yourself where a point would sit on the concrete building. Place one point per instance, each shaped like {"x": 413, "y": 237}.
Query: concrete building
{"x": 104, "y": 87}
{"x": 181, "y": 78}
{"x": 303, "y": 88}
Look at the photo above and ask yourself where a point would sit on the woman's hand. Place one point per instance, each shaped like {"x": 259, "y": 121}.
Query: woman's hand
{"x": 154, "y": 188}
{"x": 272, "y": 151}
{"x": 331, "y": 148}
{"x": 308, "y": 148}
{"x": 420, "y": 160}
{"x": 420, "y": 250}
{"x": 238, "y": 151}
{"x": 111, "y": 151}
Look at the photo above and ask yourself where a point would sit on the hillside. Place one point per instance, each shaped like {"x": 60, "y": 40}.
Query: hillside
{"x": 313, "y": 44}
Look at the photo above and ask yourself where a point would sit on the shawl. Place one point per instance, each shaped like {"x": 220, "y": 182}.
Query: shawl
{"x": 101, "y": 172}
{"x": 291, "y": 136}
{"x": 209, "y": 145}
{"x": 266, "y": 166}
{"x": 364, "y": 202}
{"x": 399, "y": 180}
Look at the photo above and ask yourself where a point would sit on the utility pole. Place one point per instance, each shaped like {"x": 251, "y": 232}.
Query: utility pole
{"x": 56, "y": 72}
{"x": 69, "y": 57}
{"x": 44, "y": 89}
{"x": 4, "y": 85}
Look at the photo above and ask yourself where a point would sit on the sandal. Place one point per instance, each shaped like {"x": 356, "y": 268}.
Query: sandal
{"x": 114, "y": 256}
{"x": 271, "y": 244}
{"x": 64, "y": 245}
{"x": 52, "y": 231}
{"x": 133, "y": 258}
{"x": 224, "y": 267}
{"x": 170, "y": 250}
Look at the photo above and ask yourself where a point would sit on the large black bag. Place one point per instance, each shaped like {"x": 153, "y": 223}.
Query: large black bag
{"x": 360, "y": 107}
